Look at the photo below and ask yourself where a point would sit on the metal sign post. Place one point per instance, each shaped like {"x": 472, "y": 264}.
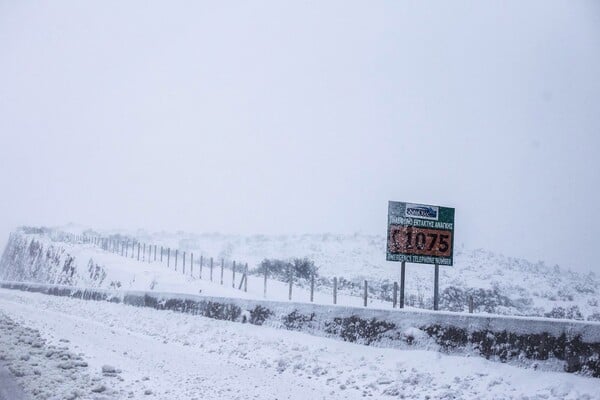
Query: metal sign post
{"x": 420, "y": 234}
{"x": 402, "y": 276}
{"x": 436, "y": 287}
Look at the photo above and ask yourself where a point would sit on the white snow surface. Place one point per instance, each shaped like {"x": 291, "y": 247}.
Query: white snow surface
{"x": 533, "y": 288}
{"x": 166, "y": 355}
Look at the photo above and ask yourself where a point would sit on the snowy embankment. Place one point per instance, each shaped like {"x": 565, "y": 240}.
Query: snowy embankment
{"x": 169, "y": 355}
{"x": 543, "y": 343}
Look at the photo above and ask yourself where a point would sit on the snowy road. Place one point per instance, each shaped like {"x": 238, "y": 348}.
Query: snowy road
{"x": 9, "y": 389}
{"x": 165, "y": 355}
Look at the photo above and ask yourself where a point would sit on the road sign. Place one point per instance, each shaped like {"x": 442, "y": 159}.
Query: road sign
{"x": 420, "y": 233}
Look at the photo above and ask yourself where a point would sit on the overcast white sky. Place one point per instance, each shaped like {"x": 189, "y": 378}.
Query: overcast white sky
{"x": 305, "y": 116}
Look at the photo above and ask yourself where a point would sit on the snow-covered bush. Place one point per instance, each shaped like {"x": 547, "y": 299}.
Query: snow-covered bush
{"x": 453, "y": 298}
{"x": 356, "y": 329}
{"x": 572, "y": 312}
{"x": 299, "y": 268}
{"x": 594, "y": 317}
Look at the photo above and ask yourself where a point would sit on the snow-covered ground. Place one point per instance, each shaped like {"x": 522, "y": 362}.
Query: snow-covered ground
{"x": 501, "y": 285}
{"x": 166, "y": 355}
{"x": 119, "y": 272}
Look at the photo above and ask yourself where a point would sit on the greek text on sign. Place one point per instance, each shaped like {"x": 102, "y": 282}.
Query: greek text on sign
{"x": 420, "y": 233}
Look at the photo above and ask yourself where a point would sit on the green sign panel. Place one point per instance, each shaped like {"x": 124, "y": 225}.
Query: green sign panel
{"x": 420, "y": 233}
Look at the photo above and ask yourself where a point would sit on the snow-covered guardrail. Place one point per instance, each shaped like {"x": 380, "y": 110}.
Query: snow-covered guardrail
{"x": 537, "y": 342}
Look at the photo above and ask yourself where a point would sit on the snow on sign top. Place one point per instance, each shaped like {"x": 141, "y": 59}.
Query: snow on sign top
{"x": 420, "y": 233}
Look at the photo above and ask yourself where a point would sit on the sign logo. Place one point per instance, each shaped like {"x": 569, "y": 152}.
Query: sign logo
{"x": 422, "y": 211}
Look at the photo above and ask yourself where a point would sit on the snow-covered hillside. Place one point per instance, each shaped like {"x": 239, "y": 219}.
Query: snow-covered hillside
{"x": 497, "y": 283}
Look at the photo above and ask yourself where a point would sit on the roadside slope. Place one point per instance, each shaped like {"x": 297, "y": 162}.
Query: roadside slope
{"x": 182, "y": 356}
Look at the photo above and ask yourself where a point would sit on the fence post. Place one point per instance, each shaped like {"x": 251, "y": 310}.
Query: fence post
{"x": 168, "y": 257}
{"x": 291, "y": 283}
{"x": 154, "y": 252}
{"x": 365, "y": 294}
{"x": 211, "y": 268}
{"x": 246, "y": 277}
{"x": 127, "y": 249}
{"x": 233, "y": 278}
{"x": 222, "y": 267}
{"x": 402, "y": 276}
{"x": 176, "y": 254}
{"x": 183, "y": 269}
{"x": 335, "y": 290}
{"x": 138, "y": 258}
{"x": 312, "y": 287}
{"x": 149, "y": 253}
{"x": 144, "y": 253}
{"x": 122, "y": 249}
{"x": 265, "y": 284}
{"x": 436, "y": 281}
{"x": 201, "y": 262}
{"x": 395, "y": 299}
{"x": 470, "y": 304}
{"x": 192, "y": 265}
{"x": 161, "y": 254}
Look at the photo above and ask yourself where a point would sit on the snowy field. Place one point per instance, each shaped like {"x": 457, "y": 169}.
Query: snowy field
{"x": 67, "y": 348}
{"x": 505, "y": 285}
{"x": 128, "y": 273}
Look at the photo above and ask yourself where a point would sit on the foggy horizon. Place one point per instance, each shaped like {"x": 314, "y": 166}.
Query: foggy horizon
{"x": 288, "y": 118}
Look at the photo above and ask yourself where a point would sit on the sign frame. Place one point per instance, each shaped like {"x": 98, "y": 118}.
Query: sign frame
{"x": 420, "y": 233}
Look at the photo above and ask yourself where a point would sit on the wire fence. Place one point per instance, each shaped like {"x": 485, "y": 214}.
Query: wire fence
{"x": 215, "y": 270}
